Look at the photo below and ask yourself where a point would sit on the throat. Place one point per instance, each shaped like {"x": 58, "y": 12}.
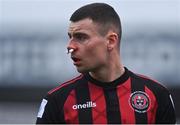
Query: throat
{"x": 107, "y": 76}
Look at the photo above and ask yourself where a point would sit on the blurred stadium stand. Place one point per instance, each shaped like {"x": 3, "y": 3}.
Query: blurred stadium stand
{"x": 37, "y": 59}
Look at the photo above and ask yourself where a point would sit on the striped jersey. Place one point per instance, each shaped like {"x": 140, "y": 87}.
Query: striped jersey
{"x": 131, "y": 99}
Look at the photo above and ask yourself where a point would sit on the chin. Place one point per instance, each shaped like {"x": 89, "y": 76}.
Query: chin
{"x": 82, "y": 70}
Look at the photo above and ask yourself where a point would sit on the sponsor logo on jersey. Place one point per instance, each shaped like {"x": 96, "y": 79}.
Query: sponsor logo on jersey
{"x": 139, "y": 101}
{"x": 89, "y": 104}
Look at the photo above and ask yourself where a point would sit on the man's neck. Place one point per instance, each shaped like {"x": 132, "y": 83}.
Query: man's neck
{"x": 108, "y": 74}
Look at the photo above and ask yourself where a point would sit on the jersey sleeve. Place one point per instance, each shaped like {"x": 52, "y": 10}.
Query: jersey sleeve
{"x": 49, "y": 112}
{"x": 166, "y": 111}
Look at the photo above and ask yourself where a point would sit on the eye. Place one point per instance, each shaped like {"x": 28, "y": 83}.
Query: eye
{"x": 80, "y": 37}
{"x": 69, "y": 35}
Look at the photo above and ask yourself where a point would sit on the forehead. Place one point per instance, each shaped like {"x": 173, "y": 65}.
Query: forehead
{"x": 82, "y": 25}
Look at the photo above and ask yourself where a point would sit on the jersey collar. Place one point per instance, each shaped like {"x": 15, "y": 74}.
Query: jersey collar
{"x": 114, "y": 83}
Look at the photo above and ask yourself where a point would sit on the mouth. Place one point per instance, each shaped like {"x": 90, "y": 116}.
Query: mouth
{"x": 76, "y": 60}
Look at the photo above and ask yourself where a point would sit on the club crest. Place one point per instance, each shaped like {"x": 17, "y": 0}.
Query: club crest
{"x": 139, "y": 101}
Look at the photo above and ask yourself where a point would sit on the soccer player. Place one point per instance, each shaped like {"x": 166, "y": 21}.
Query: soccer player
{"x": 106, "y": 92}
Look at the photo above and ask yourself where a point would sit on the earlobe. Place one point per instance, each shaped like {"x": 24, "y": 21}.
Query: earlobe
{"x": 109, "y": 46}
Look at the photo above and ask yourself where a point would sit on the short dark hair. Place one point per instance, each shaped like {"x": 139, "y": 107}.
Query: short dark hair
{"x": 100, "y": 13}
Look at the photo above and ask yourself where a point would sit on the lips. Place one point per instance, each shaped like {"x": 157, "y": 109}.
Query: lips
{"x": 76, "y": 60}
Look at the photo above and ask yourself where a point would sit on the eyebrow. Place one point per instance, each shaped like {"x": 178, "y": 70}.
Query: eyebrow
{"x": 76, "y": 33}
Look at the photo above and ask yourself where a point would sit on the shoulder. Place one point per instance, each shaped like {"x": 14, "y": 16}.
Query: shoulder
{"x": 66, "y": 86}
{"x": 150, "y": 83}
{"x": 155, "y": 90}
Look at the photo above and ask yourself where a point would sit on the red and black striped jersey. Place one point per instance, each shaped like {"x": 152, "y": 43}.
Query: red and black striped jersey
{"x": 129, "y": 99}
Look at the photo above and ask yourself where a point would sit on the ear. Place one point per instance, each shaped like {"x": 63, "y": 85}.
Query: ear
{"x": 112, "y": 40}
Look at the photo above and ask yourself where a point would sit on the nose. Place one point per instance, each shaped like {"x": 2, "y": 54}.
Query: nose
{"x": 72, "y": 46}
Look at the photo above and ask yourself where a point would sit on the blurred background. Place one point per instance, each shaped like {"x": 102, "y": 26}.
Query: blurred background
{"x": 33, "y": 58}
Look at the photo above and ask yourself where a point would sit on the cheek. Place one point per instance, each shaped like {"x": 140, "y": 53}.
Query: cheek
{"x": 96, "y": 53}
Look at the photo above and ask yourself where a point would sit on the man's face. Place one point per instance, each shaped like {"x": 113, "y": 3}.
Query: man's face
{"x": 90, "y": 48}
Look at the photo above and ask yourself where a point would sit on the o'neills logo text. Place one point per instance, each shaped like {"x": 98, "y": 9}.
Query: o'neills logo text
{"x": 89, "y": 104}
